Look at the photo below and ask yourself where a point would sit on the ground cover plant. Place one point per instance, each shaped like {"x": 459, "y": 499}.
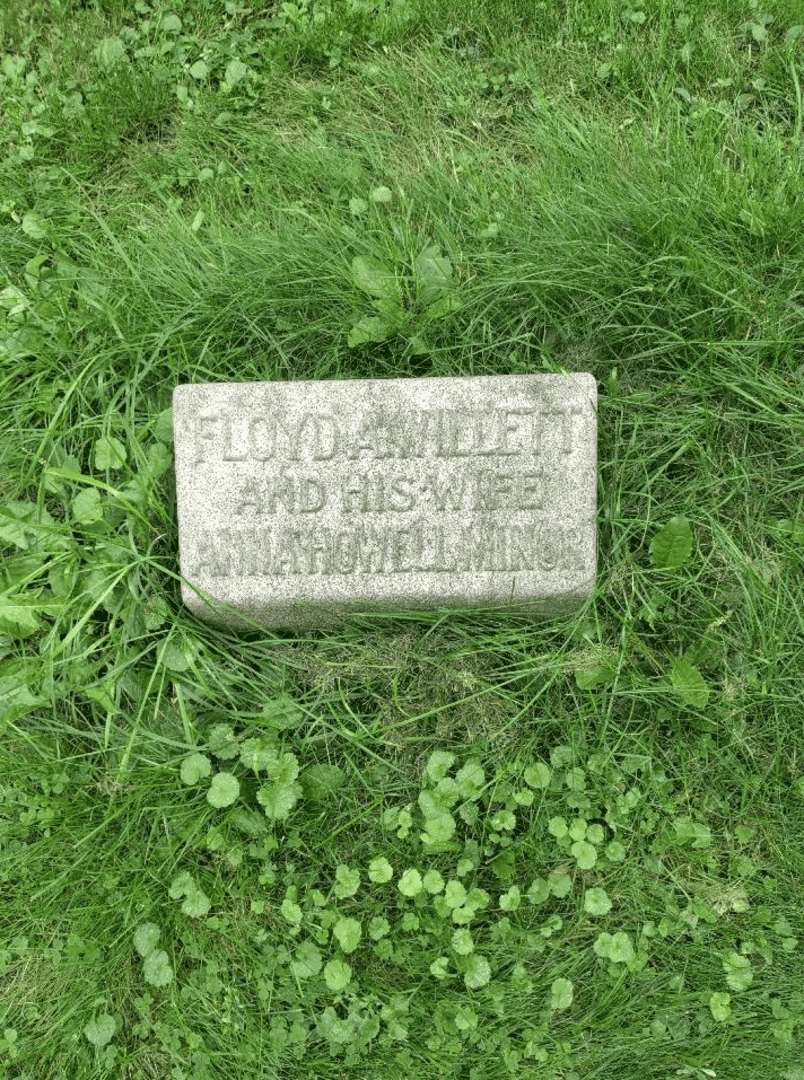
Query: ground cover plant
{"x": 445, "y": 845}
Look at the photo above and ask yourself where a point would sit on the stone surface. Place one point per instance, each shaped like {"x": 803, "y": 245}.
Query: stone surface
{"x": 300, "y": 502}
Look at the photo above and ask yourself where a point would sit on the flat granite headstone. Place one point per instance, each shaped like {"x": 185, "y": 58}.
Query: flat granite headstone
{"x": 300, "y": 502}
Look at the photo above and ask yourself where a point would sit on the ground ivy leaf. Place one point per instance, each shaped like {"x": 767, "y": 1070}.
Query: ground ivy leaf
{"x": 348, "y": 932}
{"x": 621, "y": 951}
{"x": 279, "y": 799}
{"x": 337, "y": 974}
{"x": 719, "y": 1006}
{"x": 462, "y": 942}
{"x": 109, "y": 454}
{"x": 196, "y": 904}
{"x": 561, "y": 994}
{"x": 410, "y": 883}
{"x": 307, "y": 962}
{"x": 101, "y": 1030}
{"x": 380, "y": 870}
{"x": 146, "y": 937}
{"x": 739, "y": 973}
{"x": 156, "y": 968}
{"x": 347, "y": 881}
{"x": 477, "y": 973}
{"x": 538, "y": 775}
{"x": 596, "y": 902}
{"x": 584, "y": 853}
{"x": 194, "y": 767}
{"x": 224, "y": 789}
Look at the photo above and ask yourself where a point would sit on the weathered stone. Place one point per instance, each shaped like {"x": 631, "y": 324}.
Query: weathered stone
{"x": 300, "y": 502}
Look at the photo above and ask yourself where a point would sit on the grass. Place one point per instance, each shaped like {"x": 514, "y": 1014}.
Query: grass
{"x": 213, "y": 861}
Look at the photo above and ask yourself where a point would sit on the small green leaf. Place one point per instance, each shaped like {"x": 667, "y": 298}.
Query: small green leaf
{"x": 671, "y": 546}
{"x": 596, "y": 902}
{"x": 557, "y": 827}
{"x": 462, "y": 942}
{"x": 171, "y": 24}
{"x": 380, "y": 870}
{"x": 615, "y": 947}
{"x": 181, "y": 884}
{"x": 560, "y": 885}
{"x": 291, "y": 911}
{"x": 477, "y": 973}
{"x": 538, "y": 775}
{"x": 539, "y": 891}
{"x": 438, "y": 764}
{"x": 307, "y": 962}
{"x": 33, "y": 226}
{"x": 348, "y": 932}
{"x": 438, "y": 968}
{"x": 585, "y": 854}
{"x": 380, "y": 194}
{"x": 739, "y": 973}
{"x": 196, "y": 905}
{"x": 470, "y": 778}
{"x": 236, "y": 70}
{"x": 18, "y": 616}
{"x": 410, "y": 883}
{"x": 615, "y": 852}
{"x": 278, "y": 799}
{"x": 199, "y": 70}
{"x": 257, "y": 753}
{"x": 688, "y": 683}
{"x": 337, "y": 974}
{"x": 719, "y": 1006}
{"x": 195, "y": 767}
{"x": 322, "y": 780}
{"x": 561, "y": 994}
{"x": 146, "y": 937}
{"x": 156, "y": 968}
{"x": 109, "y": 454}
{"x": 621, "y": 950}
{"x": 433, "y": 272}
{"x": 222, "y": 742}
{"x": 370, "y": 328}
{"x": 87, "y": 506}
{"x": 373, "y": 276}
{"x": 687, "y": 829}
{"x": 223, "y": 790}
{"x": 101, "y": 1030}
{"x": 109, "y": 51}
{"x": 347, "y": 881}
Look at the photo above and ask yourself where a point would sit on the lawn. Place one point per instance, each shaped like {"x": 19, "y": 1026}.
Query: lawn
{"x": 441, "y": 844}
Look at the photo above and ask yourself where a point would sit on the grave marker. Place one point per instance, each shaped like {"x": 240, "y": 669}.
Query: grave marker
{"x": 299, "y": 502}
